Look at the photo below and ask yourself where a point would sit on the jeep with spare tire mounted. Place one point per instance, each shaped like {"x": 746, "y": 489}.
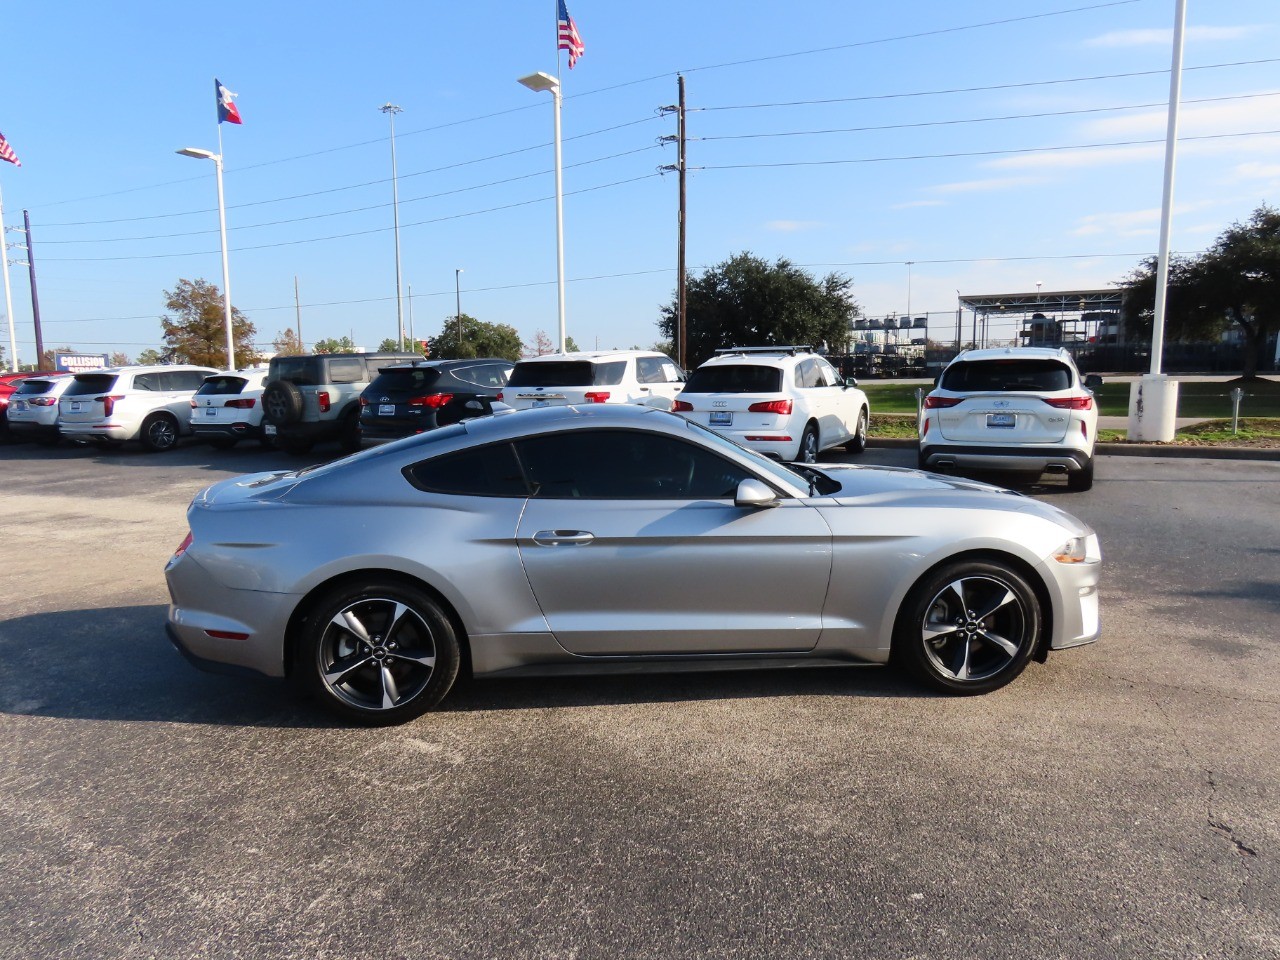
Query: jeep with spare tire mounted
{"x": 311, "y": 398}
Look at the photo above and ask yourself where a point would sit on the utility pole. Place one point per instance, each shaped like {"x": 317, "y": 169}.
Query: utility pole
{"x": 390, "y": 109}
{"x": 680, "y": 167}
{"x": 35, "y": 298}
{"x": 297, "y": 311}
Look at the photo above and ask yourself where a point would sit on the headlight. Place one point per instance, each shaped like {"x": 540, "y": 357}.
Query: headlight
{"x": 1079, "y": 550}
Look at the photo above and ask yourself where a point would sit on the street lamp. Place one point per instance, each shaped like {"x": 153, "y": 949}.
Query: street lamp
{"x": 222, "y": 229}
{"x": 457, "y": 292}
{"x": 540, "y": 82}
{"x": 390, "y": 109}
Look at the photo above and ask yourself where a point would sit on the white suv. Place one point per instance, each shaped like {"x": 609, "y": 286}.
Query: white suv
{"x": 150, "y": 404}
{"x": 619, "y": 376}
{"x": 1017, "y": 409}
{"x": 785, "y": 402}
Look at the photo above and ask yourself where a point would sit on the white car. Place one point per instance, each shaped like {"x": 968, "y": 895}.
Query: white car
{"x": 33, "y": 408}
{"x": 785, "y": 402}
{"x": 617, "y": 376}
{"x": 1021, "y": 409}
{"x": 228, "y": 408}
{"x": 147, "y": 403}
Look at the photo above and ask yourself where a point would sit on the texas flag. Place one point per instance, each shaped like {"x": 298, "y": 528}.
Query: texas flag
{"x": 227, "y": 112}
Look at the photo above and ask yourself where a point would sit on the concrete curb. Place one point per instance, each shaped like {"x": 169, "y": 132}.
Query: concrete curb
{"x": 1136, "y": 450}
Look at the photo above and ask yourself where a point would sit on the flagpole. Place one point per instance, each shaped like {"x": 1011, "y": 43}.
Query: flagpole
{"x": 8, "y": 291}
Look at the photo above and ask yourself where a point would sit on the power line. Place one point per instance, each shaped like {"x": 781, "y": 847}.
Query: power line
{"x": 947, "y": 123}
{"x": 979, "y": 153}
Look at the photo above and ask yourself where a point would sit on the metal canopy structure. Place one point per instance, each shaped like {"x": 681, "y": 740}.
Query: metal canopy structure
{"x": 1053, "y": 301}
{"x": 1057, "y": 318}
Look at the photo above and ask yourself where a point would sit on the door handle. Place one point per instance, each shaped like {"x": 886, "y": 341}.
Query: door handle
{"x": 555, "y": 538}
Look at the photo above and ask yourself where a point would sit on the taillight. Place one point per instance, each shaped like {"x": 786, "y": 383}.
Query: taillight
{"x": 241, "y": 403}
{"x": 364, "y": 402}
{"x": 42, "y": 401}
{"x": 1070, "y": 403}
{"x": 771, "y": 406}
{"x": 109, "y": 404}
{"x": 933, "y": 403}
{"x": 192, "y": 401}
{"x": 182, "y": 547}
{"x": 323, "y": 398}
{"x": 433, "y": 400}
{"x": 682, "y": 406}
{"x": 597, "y": 396}
{"x": 499, "y": 396}
{"x": 925, "y": 432}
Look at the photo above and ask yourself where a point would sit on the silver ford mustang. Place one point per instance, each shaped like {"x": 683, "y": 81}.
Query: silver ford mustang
{"x": 615, "y": 538}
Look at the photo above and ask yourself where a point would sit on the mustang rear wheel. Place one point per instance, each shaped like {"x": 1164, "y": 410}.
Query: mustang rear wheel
{"x": 378, "y": 653}
{"x": 969, "y": 627}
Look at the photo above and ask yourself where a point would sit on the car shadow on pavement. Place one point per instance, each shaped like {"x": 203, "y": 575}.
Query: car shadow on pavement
{"x": 116, "y": 663}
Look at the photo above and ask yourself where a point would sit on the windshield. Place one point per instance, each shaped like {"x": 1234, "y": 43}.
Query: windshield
{"x": 735, "y": 378}
{"x": 567, "y": 373}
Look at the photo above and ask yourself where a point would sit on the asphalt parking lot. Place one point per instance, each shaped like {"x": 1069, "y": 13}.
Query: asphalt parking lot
{"x": 1122, "y": 800}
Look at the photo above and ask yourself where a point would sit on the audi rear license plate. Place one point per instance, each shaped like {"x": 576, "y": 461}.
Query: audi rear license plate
{"x": 386, "y": 409}
{"x": 1000, "y": 420}
{"x": 721, "y": 418}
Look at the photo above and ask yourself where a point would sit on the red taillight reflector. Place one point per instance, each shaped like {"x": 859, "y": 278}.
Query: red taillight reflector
{"x": 771, "y": 406}
{"x": 227, "y": 635}
{"x": 109, "y": 404}
{"x": 771, "y": 439}
{"x": 597, "y": 396}
{"x": 243, "y": 403}
{"x": 1070, "y": 403}
{"x": 432, "y": 400}
{"x": 933, "y": 403}
{"x": 925, "y": 431}
{"x": 682, "y": 406}
{"x": 182, "y": 547}
{"x": 1084, "y": 429}
{"x": 323, "y": 399}
{"x": 499, "y": 397}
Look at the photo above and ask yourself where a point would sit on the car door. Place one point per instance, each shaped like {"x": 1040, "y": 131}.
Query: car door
{"x": 633, "y": 546}
{"x": 840, "y": 409}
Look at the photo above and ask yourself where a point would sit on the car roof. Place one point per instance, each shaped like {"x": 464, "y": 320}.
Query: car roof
{"x": 759, "y": 356}
{"x": 1005, "y": 353}
{"x": 597, "y": 415}
{"x": 594, "y": 355}
{"x": 149, "y": 368}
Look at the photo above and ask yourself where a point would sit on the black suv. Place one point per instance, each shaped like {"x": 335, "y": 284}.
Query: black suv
{"x": 316, "y": 397}
{"x": 414, "y": 397}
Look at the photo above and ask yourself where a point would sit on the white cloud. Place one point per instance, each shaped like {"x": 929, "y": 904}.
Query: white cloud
{"x": 792, "y": 226}
{"x": 1133, "y": 223}
{"x": 985, "y": 186}
{"x": 918, "y": 203}
{"x": 1071, "y": 159}
{"x": 1194, "y": 120}
{"x": 1253, "y": 170}
{"x": 1164, "y": 36}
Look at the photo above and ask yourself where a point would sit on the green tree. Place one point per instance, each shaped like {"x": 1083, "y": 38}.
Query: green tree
{"x": 151, "y": 356}
{"x": 479, "y": 339}
{"x": 287, "y": 344}
{"x": 195, "y": 330}
{"x": 120, "y": 359}
{"x": 746, "y": 301}
{"x": 335, "y": 345}
{"x": 570, "y": 344}
{"x": 1233, "y": 284}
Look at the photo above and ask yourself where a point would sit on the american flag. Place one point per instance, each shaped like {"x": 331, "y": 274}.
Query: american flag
{"x": 6, "y": 152}
{"x": 569, "y": 39}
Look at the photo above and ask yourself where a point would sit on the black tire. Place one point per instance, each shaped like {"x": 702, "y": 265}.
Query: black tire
{"x": 349, "y": 438}
{"x": 808, "y": 449}
{"x": 1082, "y": 479}
{"x": 377, "y": 652}
{"x": 223, "y": 443}
{"x": 282, "y": 403}
{"x": 968, "y": 627}
{"x": 859, "y": 441}
{"x": 159, "y": 432}
{"x": 921, "y": 462}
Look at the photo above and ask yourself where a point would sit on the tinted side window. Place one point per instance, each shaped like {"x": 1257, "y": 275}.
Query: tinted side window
{"x": 650, "y": 370}
{"x": 147, "y": 381}
{"x": 182, "y": 379}
{"x": 609, "y": 374}
{"x": 489, "y": 375}
{"x": 827, "y": 373}
{"x": 300, "y": 371}
{"x": 483, "y": 472}
{"x": 624, "y": 465}
{"x": 346, "y": 371}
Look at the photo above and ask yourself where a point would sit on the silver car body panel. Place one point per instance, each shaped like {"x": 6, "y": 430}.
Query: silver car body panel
{"x": 658, "y": 583}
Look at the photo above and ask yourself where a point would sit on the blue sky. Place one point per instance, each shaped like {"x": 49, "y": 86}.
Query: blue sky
{"x": 904, "y": 161}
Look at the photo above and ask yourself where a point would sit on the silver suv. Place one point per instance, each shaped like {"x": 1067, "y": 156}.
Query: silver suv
{"x": 150, "y": 404}
{"x": 316, "y": 397}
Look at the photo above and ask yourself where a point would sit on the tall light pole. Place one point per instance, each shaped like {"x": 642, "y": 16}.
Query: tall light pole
{"x": 457, "y": 293}
{"x": 540, "y": 82}
{"x": 222, "y": 229}
{"x": 390, "y": 109}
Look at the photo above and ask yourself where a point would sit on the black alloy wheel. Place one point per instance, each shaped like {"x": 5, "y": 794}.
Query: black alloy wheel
{"x": 378, "y": 653}
{"x": 969, "y": 627}
{"x": 159, "y": 432}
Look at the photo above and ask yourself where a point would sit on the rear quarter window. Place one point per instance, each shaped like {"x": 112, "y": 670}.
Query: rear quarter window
{"x": 300, "y": 371}
{"x": 491, "y": 471}
{"x": 346, "y": 371}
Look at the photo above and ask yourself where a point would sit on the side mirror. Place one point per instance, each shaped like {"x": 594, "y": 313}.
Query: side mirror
{"x": 753, "y": 493}
{"x": 850, "y": 381}
{"x": 1093, "y": 382}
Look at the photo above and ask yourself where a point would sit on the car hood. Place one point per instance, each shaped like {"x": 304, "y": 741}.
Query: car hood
{"x": 865, "y": 486}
